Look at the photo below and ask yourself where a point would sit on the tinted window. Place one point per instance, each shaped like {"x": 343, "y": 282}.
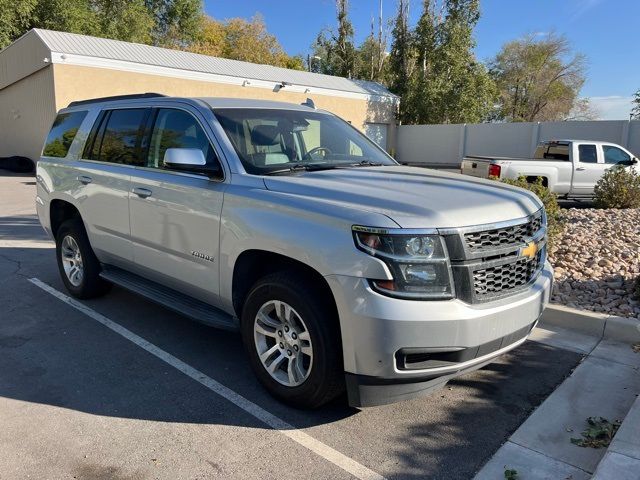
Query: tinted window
{"x": 552, "y": 151}
{"x": 177, "y": 129}
{"x": 119, "y": 140}
{"x": 613, "y": 155}
{"x": 588, "y": 154}
{"x": 92, "y": 147}
{"x": 62, "y": 133}
{"x": 268, "y": 140}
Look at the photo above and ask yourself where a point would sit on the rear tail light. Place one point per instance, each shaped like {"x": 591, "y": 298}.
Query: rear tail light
{"x": 494, "y": 170}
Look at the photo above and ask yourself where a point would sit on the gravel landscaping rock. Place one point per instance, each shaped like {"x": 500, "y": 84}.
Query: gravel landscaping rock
{"x": 597, "y": 260}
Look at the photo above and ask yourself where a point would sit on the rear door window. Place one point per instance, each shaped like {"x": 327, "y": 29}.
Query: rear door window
{"x": 118, "y": 137}
{"x": 63, "y": 131}
{"x": 587, "y": 154}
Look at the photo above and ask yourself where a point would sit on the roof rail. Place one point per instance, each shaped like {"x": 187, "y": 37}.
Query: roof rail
{"x": 116, "y": 97}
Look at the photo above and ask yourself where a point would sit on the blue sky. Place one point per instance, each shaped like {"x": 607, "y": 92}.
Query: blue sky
{"x": 606, "y": 31}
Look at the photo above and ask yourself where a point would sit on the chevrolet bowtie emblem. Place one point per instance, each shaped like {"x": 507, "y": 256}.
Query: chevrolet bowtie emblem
{"x": 530, "y": 250}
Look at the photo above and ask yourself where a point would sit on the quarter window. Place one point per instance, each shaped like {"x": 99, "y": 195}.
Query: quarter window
{"x": 613, "y": 155}
{"x": 588, "y": 154}
{"x": 63, "y": 131}
{"x": 177, "y": 129}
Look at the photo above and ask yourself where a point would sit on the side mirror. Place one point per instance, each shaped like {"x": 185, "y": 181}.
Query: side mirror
{"x": 629, "y": 163}
{"x": 189, "y": 160}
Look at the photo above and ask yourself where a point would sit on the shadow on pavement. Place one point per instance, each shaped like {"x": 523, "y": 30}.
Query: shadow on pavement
{"x": 52, "y": 354}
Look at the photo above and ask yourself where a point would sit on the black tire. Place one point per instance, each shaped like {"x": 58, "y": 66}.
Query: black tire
{"x": 91, "y": 285}
{"x": 325, "y": 380}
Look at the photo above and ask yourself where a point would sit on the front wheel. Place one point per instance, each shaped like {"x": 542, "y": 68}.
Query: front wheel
{"x": 293, "y": 341}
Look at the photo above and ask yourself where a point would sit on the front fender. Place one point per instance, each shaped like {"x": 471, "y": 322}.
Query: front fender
{"x": 303, "y": 229}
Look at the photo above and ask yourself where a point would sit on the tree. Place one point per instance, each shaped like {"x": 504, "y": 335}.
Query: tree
{"x": 239, "y": 39}
{"x": 371, "y": 57}
{"x": 448, "y": 85}
{"x": 538, "y": 79}
{"x": 176, "y": 22}
{"x": 75, "y": 16}
{"x": 128, "y": 20}
{"x": 14, "y": 19}
{"x": 583, "y": 110}
{"x": 335, "y": 47}
{"x": 635, "y": 111}
{"x": 401, "y": 58}
{"x": 161, "y": 22}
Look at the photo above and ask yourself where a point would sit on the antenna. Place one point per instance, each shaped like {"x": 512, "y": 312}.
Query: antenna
{"x": 309, "y": 103}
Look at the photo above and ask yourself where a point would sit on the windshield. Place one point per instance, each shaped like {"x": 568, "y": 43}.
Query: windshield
{"x": 275, "y": 141}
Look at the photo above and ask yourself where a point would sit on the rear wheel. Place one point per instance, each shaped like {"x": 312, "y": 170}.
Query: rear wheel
{"x": 78, "y": 265}
{"x": 293, "y": 341}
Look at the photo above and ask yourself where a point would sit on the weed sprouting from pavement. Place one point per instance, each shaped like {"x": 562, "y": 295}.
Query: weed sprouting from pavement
{"x": 598, "y": 434}
{"x": 510, "y": 474}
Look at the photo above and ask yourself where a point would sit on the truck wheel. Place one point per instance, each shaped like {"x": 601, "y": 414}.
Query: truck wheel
{"x": 78, "y": 265}
{"x": 292, "y": 338}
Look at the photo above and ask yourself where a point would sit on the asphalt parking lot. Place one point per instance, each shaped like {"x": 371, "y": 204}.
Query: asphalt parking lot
{"x": 79, "y": 399}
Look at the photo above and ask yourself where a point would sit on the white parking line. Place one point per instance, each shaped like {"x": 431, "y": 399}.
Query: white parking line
{"x": 349, "y": 465}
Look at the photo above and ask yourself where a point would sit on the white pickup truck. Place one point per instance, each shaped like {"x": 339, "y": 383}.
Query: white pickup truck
{"x": 570, "y": 168}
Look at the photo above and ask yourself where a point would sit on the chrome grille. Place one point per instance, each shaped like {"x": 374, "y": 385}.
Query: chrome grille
{"x": 511, "y": 235}
{"x": 497, "y": 280}
{"x": 489, "y": 262}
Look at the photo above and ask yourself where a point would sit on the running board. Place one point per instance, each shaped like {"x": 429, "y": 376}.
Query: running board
{"x": 167, "y": 297}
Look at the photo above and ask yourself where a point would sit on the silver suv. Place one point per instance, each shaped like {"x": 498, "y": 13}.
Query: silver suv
{"x": 341, "y": 268}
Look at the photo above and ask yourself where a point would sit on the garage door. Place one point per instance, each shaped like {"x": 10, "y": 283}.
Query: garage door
{"x": 377, "y": 132}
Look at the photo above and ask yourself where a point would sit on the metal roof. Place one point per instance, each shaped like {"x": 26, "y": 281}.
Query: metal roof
{"x": 74, "y": 44}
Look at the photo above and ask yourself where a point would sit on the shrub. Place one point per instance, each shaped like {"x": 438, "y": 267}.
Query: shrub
{"x": 555, "y": 224}
{"x": 636, "y": 288}
{"x": 618, "y": 188}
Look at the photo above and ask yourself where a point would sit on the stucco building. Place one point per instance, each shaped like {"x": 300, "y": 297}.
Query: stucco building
{"x": 44, "y": 70}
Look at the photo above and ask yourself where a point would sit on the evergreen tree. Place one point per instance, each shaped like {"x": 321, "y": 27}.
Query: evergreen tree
{"x": 335, "y": 47}
{"x": 449, "y": 85}
{"x": 401, "y": 58}
{"x": 635, "y": 111}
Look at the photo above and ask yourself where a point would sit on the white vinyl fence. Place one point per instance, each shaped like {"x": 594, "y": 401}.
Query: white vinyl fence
{"x": 445, "y": 145}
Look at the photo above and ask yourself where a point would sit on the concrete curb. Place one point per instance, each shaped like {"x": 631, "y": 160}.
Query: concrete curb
{"x": 604, "y": 326}
{"x": 622, "y": 460}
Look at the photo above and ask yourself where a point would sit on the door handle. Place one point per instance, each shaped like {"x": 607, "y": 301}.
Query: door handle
{"x": 142, "y": 192}
{"x": 580, "y": 169}
{"x": 83, "y": 179}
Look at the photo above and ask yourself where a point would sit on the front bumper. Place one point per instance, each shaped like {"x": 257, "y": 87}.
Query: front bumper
{"x": 375, "y": 328}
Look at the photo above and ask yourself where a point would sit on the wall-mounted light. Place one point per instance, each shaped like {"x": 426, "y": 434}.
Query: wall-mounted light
{"x": 307, "y": 90}
{"x": 245, "y": 83}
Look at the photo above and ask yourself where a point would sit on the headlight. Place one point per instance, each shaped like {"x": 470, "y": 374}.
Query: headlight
{"x": 418, "y": 263}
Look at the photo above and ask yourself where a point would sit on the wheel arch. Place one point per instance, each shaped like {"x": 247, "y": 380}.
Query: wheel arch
{"x": 251, "y": 265}
{"x": 534, "y": 179}
{"x": 59, "y": 212}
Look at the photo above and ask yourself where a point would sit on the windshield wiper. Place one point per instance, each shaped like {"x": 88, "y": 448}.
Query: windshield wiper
{"x": 366, "y": 163}
{"x": 316, "y": 167}
{"x": 296, "y": 167}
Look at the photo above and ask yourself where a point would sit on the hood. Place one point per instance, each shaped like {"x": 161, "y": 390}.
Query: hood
{"x": 411, "y": 196}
